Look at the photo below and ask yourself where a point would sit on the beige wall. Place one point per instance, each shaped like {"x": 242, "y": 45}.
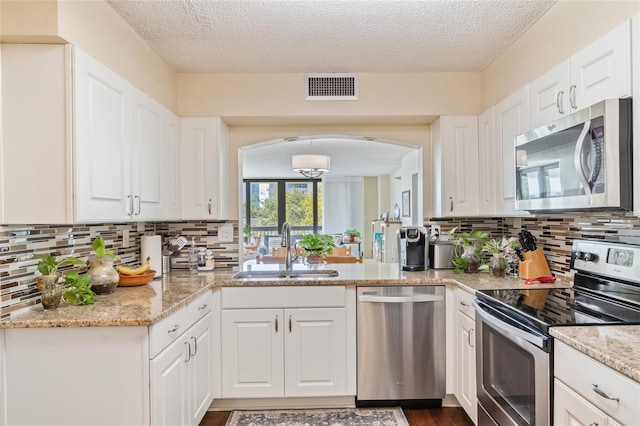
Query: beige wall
{"x": 96, "y": 28}
{"x": 566, "y": 28}
{"x": 277, "y": 95}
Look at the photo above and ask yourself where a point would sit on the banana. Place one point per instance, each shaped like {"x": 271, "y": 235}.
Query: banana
{"x": 125, "y": 270}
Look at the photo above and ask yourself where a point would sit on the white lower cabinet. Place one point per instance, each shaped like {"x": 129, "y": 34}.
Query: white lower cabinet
{"x": 294, "y": 346}
{"x": 283, "y": 352}
{"x": 587, "y": 392}
{"x": 181, "y": 378}
{"x": 465, "y": 389}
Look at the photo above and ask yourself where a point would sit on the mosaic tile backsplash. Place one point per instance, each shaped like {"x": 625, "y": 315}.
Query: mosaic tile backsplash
{"x": 18, "y": 244}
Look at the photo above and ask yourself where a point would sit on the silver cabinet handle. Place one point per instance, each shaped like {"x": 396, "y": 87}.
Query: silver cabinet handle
{"x": 130, "y": 209}
{"x": 195, "y": 346}
{"x": 210, "y": 205}
{"x": 469, "y": 340}
{"x": 290, "y": 325}
{"x": 450, "y": 204}
{"x": 188, "y": 352}
{"x": 201, "y": 307}
{"x": 276, "y": 323}
{"x": 137, "y": 197}
{"x": 174, "y": 329}
{"x": 593, "y": 424}
{"x": 596, "y": 389}
{"x": 572, "y": 96}
{"x": 463, "y": 303}
{"x": 559, "y": 102}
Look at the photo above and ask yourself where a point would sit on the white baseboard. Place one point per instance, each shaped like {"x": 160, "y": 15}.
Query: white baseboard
{"x": 282, "y": 403}
{"x": 450, "y": 400}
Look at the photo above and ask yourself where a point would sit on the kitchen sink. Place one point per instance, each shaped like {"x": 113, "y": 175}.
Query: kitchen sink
{"x": 312, "y": 273}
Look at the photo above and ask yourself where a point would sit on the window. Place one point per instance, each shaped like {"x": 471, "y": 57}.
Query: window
{"x": 268, "y": 203}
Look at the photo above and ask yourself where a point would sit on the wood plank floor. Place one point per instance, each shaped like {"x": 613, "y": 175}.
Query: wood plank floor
{"x": 445, "y": 416}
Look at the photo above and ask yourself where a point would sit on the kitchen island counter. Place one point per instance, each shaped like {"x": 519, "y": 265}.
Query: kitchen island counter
{"x": 148, "y": 304}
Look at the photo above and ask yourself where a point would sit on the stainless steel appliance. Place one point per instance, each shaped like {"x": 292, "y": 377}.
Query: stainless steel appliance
{"x": 412, "y": 248}
{"x": 441, "y": 252}
{"x": 401, "y": 344}
{"x": 514, "y": 349}
{"x": 581, "y": 161}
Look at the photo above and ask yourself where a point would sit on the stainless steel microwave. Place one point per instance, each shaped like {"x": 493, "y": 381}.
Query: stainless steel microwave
{"x": 582, "y": 161}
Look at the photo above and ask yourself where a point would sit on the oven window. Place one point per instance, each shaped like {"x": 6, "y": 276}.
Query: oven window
{"x": 508, "y": 373}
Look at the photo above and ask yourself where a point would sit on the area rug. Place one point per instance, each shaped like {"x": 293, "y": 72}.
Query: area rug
{"x": 320, "y": 417}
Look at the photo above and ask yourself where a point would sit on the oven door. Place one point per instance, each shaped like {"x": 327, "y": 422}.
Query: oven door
{"x": 513, "y": 369}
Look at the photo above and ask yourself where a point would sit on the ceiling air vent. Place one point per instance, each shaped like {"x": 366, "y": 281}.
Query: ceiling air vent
{"x": 331, "y": 86}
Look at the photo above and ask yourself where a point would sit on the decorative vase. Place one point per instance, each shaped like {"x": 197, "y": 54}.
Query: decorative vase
{"x": 104, "y": 277}
{"x": 472, "y": 258}
{"x": 498, "y": 265}
{"x": 51, "y": 289}
{"x": 314, "y": 259}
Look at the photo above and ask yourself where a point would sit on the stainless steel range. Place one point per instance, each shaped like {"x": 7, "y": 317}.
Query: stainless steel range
{"x": 514, "y": 348}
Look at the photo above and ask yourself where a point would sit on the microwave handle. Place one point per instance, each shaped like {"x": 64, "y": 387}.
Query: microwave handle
{"x": 578, "y": 156}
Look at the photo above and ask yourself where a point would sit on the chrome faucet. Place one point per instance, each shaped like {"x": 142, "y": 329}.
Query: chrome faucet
{"x": 286, "y": 242}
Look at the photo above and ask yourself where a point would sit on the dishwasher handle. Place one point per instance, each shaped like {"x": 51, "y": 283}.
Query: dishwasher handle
{"x": 418, "y": 298}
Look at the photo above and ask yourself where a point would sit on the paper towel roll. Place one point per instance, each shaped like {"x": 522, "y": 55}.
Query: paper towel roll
{"x": 151, "y": 246}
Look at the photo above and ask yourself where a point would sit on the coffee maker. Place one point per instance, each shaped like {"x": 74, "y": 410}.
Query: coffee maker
{"x": 412, "y": 248}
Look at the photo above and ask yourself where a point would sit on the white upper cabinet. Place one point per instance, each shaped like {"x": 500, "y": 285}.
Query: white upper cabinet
{"x": 204, "y": 165}
{"x": 635, "y": 27}
{"x": 171, "y": 176}
{"x": 454, "y": 144}
{"x": 600, "y": 71}
{"x": 487, "y": 163}
{"x": 511, "y": 119}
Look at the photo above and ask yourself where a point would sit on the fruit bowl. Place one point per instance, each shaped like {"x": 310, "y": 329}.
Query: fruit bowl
{"x": 134, "y": 280}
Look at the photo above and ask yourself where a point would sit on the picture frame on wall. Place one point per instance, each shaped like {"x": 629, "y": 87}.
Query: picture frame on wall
{"x": 406, "y": 203}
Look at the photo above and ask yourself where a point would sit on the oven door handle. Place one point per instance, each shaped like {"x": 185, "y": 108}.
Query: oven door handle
{"x": 507, "y": 329}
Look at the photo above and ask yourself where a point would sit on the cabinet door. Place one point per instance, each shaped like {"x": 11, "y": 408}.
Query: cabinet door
{"x": 169, "y": 392}
{"x": 201, "y": 174}
{"x": 252, "y": 353}
{"x": 486, "y": 163}
{"x": 102, "y": 144}
{"x": 466, "y": 386}
{"x": 549, "y": 95}
{"x": 146, "y": 154}
{"x": 200, "y": 367}
{"x": 172, "y": 165}
{"x": 512, "y": 119}
{"x": 602, "y": 70}
{"x": 455, "y": 140}
{"x": 570, "y": 409}
{"x": 315, "y": 352}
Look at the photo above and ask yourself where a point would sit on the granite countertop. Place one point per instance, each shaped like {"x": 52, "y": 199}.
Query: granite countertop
{"x": 616, "y": 346}
{"x": 147, "y": 304}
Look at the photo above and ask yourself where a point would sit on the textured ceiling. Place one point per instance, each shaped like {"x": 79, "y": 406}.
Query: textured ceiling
{"x": 329, "y": 35}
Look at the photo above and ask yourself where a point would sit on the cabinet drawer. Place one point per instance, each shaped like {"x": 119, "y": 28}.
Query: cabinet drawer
{"x": 465, "y": 300}
{"x": 580, "y": 372}
{"x": 199, "y": 307}
{"x": 283, "y": 297}
{"x": 164, "y": 332}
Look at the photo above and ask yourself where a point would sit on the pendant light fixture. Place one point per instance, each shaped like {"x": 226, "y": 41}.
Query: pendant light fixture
{"x": 311, "y": 166}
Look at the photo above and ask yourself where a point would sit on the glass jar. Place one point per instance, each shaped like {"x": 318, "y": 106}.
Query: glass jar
{"x": 498, "y": 265}
{"x": 472, "y": 258}
{"x": 104, "y": 277}
{"x": 51, "y": 288}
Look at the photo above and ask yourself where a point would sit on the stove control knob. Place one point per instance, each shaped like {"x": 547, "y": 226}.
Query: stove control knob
{"x": 590, "y": 257}
{"x": 579, "y": 255}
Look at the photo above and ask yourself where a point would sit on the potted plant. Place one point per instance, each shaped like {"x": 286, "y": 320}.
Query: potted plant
{"x": 351, "y": 235}
{"x": 316, "y": 246}
{"x": 468, "y": 249}
{"x": 498, "y": 262}
{"x": 78, "y": 289}
{"x": 49, "y": 283}
{"x": 104, "y": 276}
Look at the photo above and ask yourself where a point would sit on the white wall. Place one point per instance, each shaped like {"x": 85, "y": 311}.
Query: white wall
{"x": 343, "y": 204}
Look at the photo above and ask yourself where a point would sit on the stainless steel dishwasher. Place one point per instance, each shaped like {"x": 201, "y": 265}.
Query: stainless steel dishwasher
{"x": 401, "y": 344}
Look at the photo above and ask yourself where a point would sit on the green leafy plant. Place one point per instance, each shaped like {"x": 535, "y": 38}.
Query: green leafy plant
{"x": 100, "y": 249}
{"x": 352, "y": 233}
{"x": 48, "y": 265}
{"x": 78, "y": 289}
{"x": 468, "y": 249}
{"x": 493, "y": 247}
{"x": 317, "y": 244}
